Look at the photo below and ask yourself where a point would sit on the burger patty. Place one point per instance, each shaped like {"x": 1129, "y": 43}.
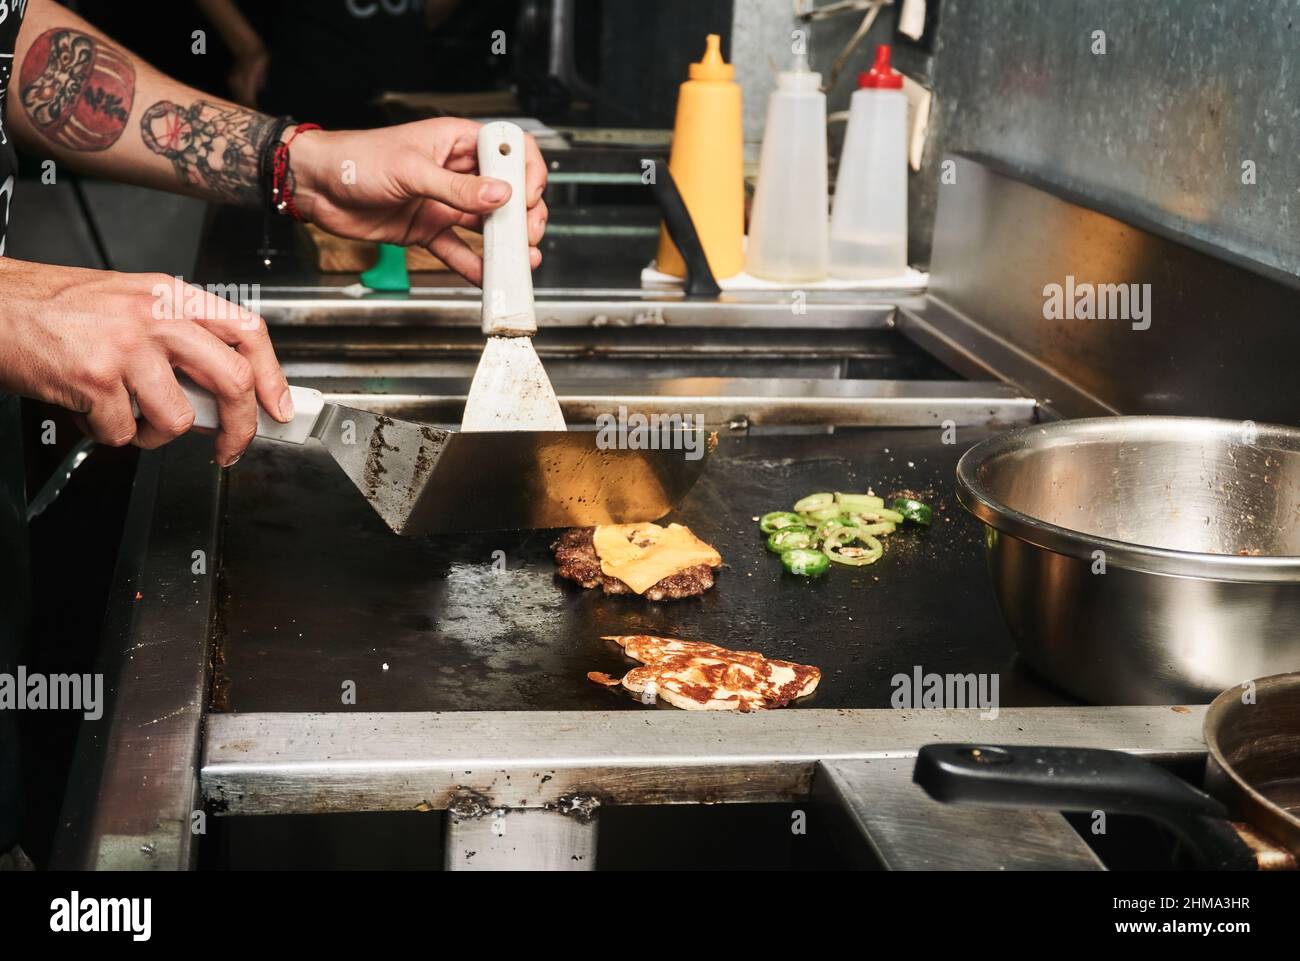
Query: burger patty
{"x": 575, "y": 553}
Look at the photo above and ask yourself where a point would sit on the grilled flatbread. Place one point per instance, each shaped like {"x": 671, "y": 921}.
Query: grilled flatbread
{"x": 696, "y": 676}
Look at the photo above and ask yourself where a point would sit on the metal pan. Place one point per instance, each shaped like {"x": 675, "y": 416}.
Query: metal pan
{"x": 1144, "y": 560}
{"x": 1250, "y": 819}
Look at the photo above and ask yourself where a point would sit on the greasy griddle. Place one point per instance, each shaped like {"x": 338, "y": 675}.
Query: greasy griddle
{"x": 315, "y": 591}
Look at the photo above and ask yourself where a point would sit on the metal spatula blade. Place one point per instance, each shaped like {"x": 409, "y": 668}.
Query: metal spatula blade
{"x": 510, "y": 390}
{"x": 427, "y": 480}
{"x": 424, "y": 480}
{"x": 390, "y": 461}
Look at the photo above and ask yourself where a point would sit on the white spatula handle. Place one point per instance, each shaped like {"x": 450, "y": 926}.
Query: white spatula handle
{"x": 507, "y": 275}
{"x": 307, "y": 405}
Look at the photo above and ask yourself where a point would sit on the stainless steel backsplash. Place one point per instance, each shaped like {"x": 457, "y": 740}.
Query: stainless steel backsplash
{"x": 1160, "y": 125}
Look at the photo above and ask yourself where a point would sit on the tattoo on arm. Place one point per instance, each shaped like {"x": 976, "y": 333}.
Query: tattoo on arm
{"x": 77, "y": 90}
{"x": 210, "y": 146}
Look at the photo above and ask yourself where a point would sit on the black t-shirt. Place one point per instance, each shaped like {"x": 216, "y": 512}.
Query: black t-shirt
{"x": 11, "y": 18}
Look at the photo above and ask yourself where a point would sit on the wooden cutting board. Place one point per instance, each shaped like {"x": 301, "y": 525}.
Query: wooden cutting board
{"x": 339, "y": 255}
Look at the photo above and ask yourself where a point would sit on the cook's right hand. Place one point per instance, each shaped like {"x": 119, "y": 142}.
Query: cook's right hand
{"x": 91, "y": 340}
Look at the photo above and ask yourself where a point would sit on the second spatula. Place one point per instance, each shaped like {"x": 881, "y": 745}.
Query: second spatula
{"x": 510, "y": 390}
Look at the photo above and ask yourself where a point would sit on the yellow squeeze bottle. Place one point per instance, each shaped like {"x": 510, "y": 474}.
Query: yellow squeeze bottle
{"x": 708, "y": 164}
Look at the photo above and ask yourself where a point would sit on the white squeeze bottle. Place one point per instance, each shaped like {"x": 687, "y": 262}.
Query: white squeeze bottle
{"x": 787, "y": 224}
{"x": 869, "y": 221}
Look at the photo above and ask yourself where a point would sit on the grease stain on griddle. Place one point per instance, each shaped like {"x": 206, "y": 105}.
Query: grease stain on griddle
{"x": 582, "y": 808}
{"x": 470, "y": 805}
{"x": 219, "y": 689}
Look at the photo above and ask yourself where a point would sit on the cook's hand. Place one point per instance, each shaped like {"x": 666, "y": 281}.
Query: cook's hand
{"x": 90, "y": 340}
{"x": 410, "y": 185}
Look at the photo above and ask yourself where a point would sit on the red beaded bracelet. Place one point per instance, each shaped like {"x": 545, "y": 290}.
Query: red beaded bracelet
{"x": 281, "y": 187}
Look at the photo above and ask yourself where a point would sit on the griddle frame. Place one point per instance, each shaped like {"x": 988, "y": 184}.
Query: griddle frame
{"x": 161, "y": 765}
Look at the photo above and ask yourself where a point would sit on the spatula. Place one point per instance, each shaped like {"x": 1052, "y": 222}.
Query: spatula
{"x": 513, "y": 465}
{"x": 510, "y": 390}
{"x": 426, "y": 480}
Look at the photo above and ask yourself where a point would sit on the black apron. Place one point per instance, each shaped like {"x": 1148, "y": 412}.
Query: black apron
{"x": 14, "y": 568}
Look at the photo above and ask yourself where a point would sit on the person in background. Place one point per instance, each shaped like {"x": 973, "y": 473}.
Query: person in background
{"x": 330, "y": 58}
{"x": 250, "y": 58}
{"x": 95, "y": 341}
{"x": 164, "y": 35}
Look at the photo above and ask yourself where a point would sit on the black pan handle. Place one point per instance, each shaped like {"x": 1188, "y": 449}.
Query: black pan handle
{"x": 700, "y": 281}
{"x": 1082, "y": 779}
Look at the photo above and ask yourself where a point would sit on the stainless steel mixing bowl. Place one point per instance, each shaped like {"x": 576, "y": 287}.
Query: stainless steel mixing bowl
{"x": 1144, "y": 560}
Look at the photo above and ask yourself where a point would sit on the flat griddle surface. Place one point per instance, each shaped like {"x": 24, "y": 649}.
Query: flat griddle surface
{"x": 316, "y": 592}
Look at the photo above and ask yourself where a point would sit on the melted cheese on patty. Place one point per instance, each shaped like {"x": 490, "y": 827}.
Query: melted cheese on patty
{"x": 642, "y": 555}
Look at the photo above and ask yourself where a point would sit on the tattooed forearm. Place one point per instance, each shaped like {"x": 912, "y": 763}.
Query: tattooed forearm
{"x": 211, "y": 146}
{"x": 77, "y": 90}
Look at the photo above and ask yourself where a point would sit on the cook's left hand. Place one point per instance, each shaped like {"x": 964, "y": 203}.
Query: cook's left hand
{"x": 410, "y": 185}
